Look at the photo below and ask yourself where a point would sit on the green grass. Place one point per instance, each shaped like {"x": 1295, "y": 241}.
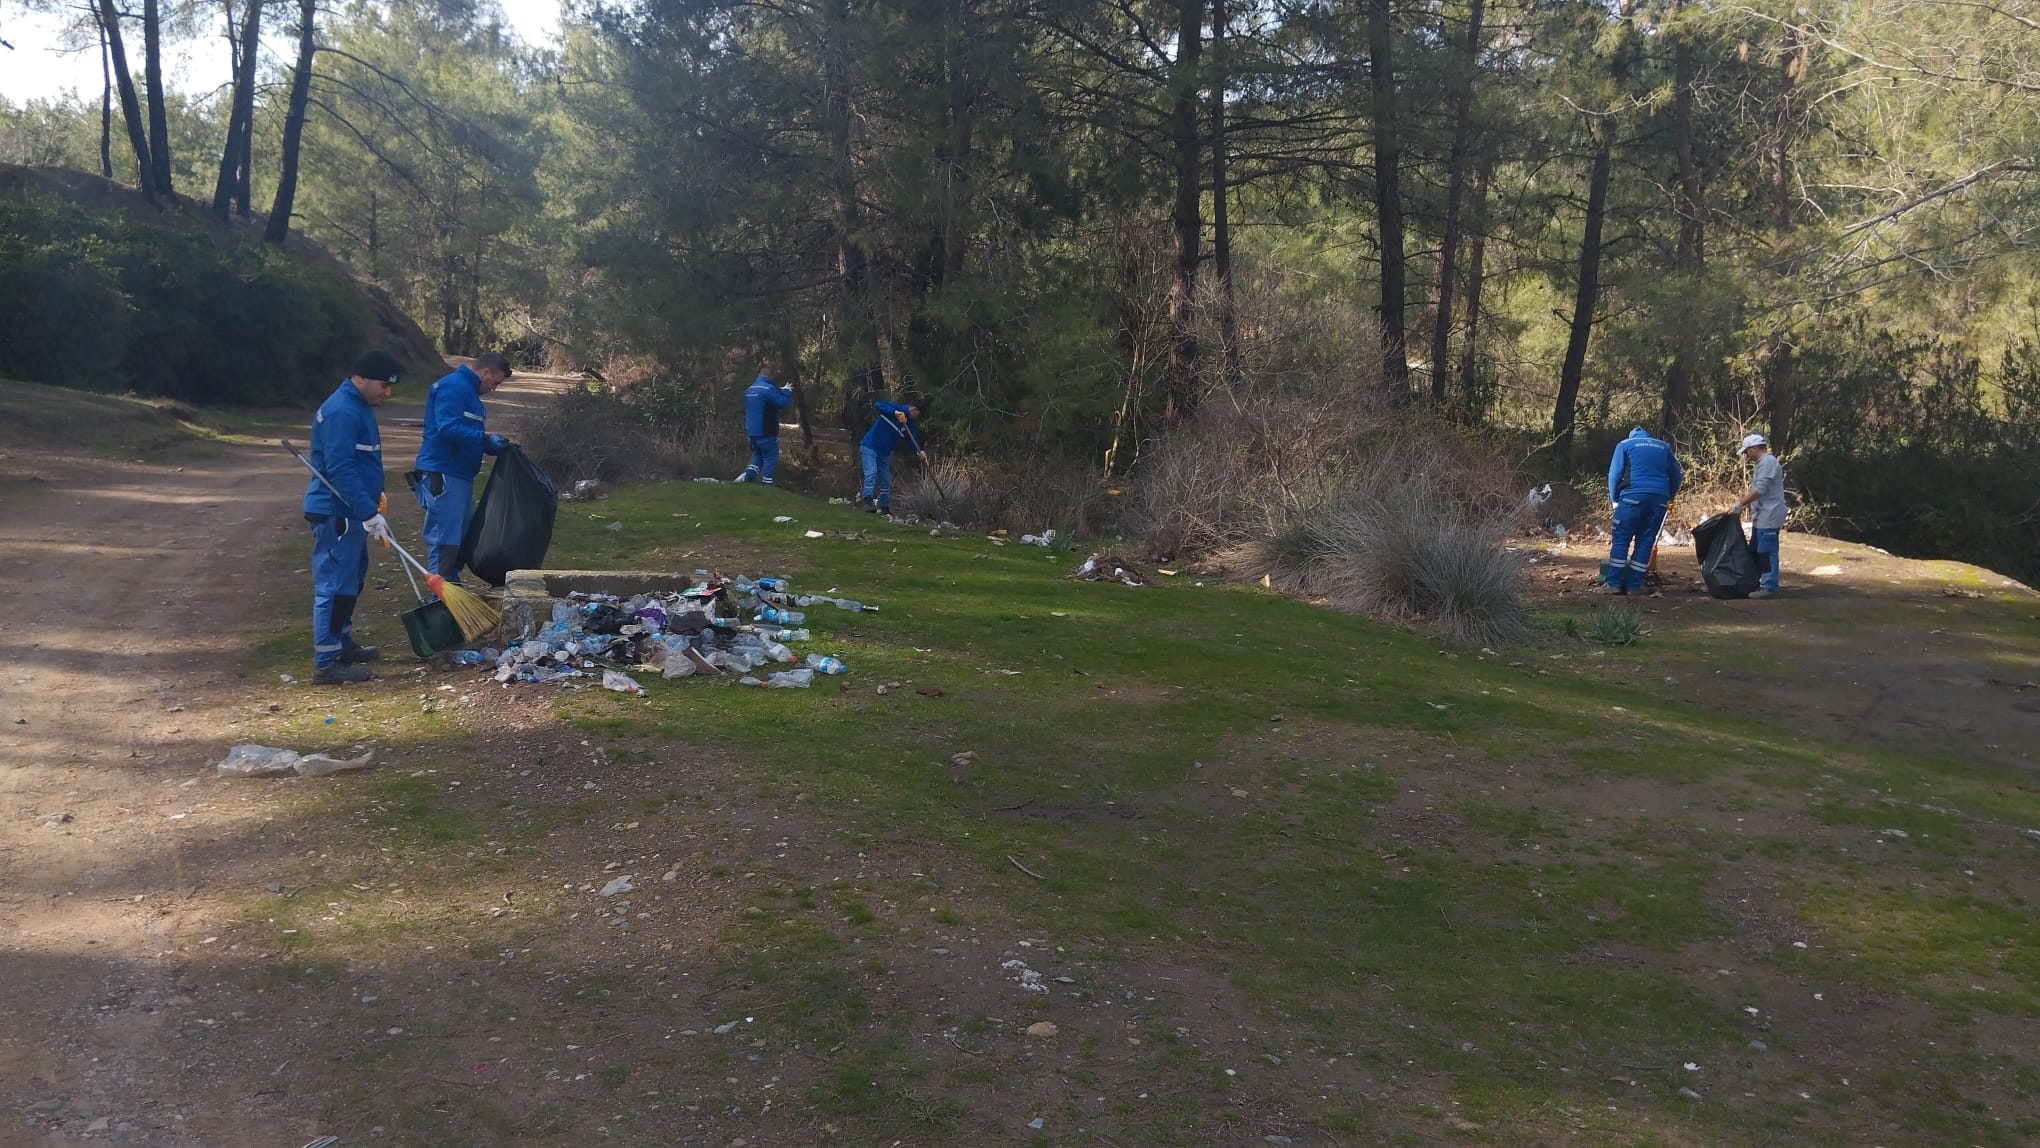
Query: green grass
{"x": 1170, "y": 700}
{"x": 1386, "y": 845}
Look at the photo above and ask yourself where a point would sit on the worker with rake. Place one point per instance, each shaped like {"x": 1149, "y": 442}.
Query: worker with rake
{"x": 1643, "y": 477}
{"x": 896, "y": 423}
{"x": 450, "y": 456}
{"x": 347, "y": 450}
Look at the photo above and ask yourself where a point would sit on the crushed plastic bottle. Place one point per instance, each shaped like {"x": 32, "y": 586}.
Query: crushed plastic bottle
{"x": 823, "y": 664}
{"x": 621, "y": 683}
{"x": 748, "y": 680}
{"x": 469, "y": 657}
{"x": 791, "y": 679}
{"x": 777, "y": 652}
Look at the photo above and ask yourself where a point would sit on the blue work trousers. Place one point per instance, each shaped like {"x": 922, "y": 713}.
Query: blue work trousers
{"x": 1638, "y": 517}
{"x": 764, "y": 457}
{"x": 877, "y": 477}
{"x": 1765, "y": 543}
{"x": 339, "y": 568}
{"x": 448, "y": 501}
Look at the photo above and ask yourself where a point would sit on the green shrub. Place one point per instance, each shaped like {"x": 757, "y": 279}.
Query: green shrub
{"x": 170, "y": 308}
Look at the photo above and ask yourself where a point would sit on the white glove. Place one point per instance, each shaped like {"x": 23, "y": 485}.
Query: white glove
{"x": 378, "y": 528}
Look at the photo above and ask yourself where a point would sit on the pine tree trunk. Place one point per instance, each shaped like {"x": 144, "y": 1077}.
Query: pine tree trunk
{"x": 234, "y": 155}
{"x": 856, "y": 335}
{"x": 1221, "y": 191}
{"x": 1186, "y": 221}
{"x": 105, "y": 109}
{"x": 1585, "y": 297}
{"x": 1783, "y": 359}
{"x": 1471, "y": 393}
{"x": 293, "y": 126}
{"x": 159, "y": 119}
{"x": 1691, "y": 253}
{"x": 1395, "y": 364}
{"x": 130, "y": 105}
{"x": 1455, "y": 194}
{"x": 1588, "y": 293}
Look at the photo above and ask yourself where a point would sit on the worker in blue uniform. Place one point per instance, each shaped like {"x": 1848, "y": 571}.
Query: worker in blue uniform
{"x": 896, "y": 423}
{"x": 1643, "y": 478}
{"x": 347, "y": 450}
{"x": 763, "y": 400}
{"x": 450, "y": 456}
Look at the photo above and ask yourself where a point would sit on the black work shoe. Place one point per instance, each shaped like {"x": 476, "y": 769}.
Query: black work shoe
{"x": 340, "y": 674}
{"x": 356, "y": 655}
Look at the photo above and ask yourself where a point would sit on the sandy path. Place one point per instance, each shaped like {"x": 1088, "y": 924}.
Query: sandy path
{"x": 129, "y": 596}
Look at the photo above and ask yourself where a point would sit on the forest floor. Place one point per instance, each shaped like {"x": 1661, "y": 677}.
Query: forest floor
{"x": 1057, "y": 862}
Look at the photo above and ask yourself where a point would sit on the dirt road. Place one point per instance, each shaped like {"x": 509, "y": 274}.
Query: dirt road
{"x": 129, "y": 596}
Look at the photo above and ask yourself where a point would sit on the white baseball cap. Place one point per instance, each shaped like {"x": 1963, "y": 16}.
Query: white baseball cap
{"x": 1753, "y": 440}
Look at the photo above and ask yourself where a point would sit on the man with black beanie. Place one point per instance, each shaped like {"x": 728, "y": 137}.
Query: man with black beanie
{"x": 347, "y": 449}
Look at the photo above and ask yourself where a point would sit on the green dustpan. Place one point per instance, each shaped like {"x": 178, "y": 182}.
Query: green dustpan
{"x": 432, "y": 628}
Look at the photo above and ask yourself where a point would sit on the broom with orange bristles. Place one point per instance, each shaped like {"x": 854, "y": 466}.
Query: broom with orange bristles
{"x": 475, "y": 616}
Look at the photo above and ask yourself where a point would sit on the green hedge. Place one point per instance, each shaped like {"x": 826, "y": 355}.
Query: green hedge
{"x": 175, "y": 308}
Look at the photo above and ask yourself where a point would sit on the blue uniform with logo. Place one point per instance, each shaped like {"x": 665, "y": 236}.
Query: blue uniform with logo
{"x": 347, "y": 449}
{"x": 1643, "y": 477}
{"x": 763, "y": 400}
{"x": 449, "y": 457}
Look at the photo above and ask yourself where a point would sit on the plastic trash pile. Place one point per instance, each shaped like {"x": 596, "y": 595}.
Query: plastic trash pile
{"x": 714, "y": 628}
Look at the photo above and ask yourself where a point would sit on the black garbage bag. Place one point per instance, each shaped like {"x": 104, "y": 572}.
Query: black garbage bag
{"x": 1728, "y": 564}
{"x": 513, "y": 524}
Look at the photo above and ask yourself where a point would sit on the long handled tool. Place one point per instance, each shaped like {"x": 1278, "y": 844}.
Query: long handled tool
{"x": 927, "y": 467}
{"x": 475, "y": 616}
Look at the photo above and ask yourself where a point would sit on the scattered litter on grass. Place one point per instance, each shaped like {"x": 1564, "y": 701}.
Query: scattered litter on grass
{"x": 1829, "y": 571}
{"x": 818, "y": 534}
{"x": 615, "y": 528}
{"x": 586, "y": 490}
{"x": 700, "y": 631}
{"x": 782, "y": 519}
{"x": 1045, "y": 538}
{"x": 1023, "y": 976}
{"x": 251, "y": 760}
{"x": 1108, "y": 567}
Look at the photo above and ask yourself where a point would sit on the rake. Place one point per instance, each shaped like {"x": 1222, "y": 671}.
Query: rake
{"x": 474, "y": 616}
{"x": 927, "y": 467}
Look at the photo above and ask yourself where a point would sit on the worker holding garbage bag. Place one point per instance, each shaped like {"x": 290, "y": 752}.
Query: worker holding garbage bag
{"x": 347, "y": 450}
{"x": 1767, "y": 522}
{"x": 450, "y": 456}
{"x": 1643, "y": 478}
{"x": 896, "y": 423}
{"x": 763, "y": 401}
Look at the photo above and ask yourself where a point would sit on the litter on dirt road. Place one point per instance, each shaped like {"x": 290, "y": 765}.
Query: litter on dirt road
{"x": 251, "y": 760}
{"x": 701, "y": 631}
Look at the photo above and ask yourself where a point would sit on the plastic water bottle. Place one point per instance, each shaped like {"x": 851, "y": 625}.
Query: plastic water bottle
{"x": 779, "y": 616}
{"x": 777, "y": 585}
{"x": 469, "y": 657}
{"x": 823, "y": 664}
{"x": 790, "y": 679}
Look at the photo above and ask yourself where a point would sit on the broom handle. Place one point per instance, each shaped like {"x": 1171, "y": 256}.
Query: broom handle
{"x": 292, "y": 448}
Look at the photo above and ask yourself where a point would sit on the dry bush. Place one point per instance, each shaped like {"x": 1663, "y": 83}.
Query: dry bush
{"x": 1021, "y": 495}
{"x": 1299, "y": 472}
{"x": 629, "y": 435}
